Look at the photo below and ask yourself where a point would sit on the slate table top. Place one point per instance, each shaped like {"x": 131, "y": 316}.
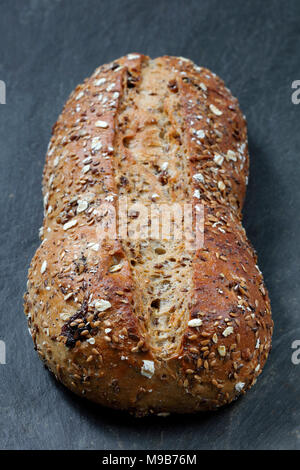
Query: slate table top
{"x": 47, "y": 48}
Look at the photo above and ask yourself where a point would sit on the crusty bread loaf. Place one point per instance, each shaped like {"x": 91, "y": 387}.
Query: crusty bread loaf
{"x": 151, "y": 325}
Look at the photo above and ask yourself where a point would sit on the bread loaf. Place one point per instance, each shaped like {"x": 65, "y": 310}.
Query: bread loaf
{"x": 143, "y": 323}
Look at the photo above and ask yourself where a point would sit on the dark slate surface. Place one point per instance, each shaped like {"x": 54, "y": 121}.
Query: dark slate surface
{"x": 47, "y": 47}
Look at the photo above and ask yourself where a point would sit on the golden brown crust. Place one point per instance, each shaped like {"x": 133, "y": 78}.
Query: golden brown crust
{"x": 92, "y": 306}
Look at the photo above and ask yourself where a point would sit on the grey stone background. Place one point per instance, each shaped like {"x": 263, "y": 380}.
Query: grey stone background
{"x": 46, "y": 48}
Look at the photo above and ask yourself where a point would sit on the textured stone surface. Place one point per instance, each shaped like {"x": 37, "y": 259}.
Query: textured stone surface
{"x": 47, "y": 47}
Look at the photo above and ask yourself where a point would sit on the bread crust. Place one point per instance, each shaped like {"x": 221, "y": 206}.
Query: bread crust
{"x": 86, "y": 301}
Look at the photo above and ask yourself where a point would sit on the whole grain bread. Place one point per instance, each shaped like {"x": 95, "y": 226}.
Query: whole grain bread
{"x": 148, "y": 324}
